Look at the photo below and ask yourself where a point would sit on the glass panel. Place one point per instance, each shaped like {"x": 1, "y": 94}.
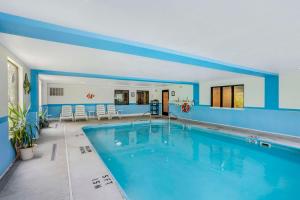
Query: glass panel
{"x": 142, "y": 97}
{"x": 239, "y": 96}
{"x": 216, "y": 97}
{"x": 227, "y": 97}
{"x": 13, "y": 84}
{"x": 121, "y": 97}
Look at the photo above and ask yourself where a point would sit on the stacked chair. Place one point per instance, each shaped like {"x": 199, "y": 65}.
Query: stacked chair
{"x": 80, "y": 112}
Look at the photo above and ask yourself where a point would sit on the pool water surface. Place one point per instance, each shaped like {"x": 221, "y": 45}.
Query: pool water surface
{"x": 162, "y": 161}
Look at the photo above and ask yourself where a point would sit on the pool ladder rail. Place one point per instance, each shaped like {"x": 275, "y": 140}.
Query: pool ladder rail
{"x": 172, "y": 115}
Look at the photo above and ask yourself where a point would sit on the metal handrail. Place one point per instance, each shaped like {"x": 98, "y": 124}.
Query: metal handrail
{"x": 150, "y": 118}
{"x": 170, "y": 113}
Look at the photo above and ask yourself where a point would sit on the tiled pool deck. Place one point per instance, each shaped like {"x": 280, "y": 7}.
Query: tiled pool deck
{"x": 65, "y": 172}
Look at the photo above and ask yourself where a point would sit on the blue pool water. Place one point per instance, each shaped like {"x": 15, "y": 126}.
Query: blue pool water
{"x": 162, "y": 162}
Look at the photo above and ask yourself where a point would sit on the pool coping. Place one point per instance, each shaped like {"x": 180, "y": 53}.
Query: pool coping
{"x": 88, "y": 168}
{"x": 243, "y": 133}
{"x": 275, "y": 138}
{"x": 116, "y": 192}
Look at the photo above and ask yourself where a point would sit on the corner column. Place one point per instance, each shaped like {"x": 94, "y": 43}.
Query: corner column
{"x": 196, "y": 93}
{"x": 34, "y": 100}
{"x": 272, "y": 92}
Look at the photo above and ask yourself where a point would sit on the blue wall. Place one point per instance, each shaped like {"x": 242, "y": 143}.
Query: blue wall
{"x": 55, "y": 109}
{"x": 7, "y": 153}
{"x": 277, "y": 121}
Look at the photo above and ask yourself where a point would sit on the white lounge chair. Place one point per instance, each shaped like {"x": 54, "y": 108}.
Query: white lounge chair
{"x": 80, "y": 112}
{"x": 100, "y": 111}
{"x": 66, "y": 113}
{"x": 112, "y": 112}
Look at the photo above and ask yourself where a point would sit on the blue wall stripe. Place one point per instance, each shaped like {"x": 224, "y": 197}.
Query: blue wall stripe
{"x": 3, "y": 119}
{"x": 276, "y": 121}
{"x": 271, "y": 92}
{"x": 7, "y": 153}
{"x": 54, "y": 110}
{"x": 16, "y": 25}
{"x": 251, "y": 107}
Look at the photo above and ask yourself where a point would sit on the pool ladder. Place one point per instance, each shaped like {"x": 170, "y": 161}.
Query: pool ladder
{"x": 150, "y": 116}
{"x": 172, "y": 115}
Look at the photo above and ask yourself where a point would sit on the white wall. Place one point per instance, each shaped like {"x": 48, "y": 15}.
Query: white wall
{"x": 76, "y": 93}
{"x": 289, "y": 90}
{"x": 44, "y": 93}
{"x": 182, "y": 92}
{"x": 254, "y": 90}
{"x": 4, "y": 55}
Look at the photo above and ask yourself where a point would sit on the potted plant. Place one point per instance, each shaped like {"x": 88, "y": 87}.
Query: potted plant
{"x": 43, "y": 122}
{"x": 21, "y": 131}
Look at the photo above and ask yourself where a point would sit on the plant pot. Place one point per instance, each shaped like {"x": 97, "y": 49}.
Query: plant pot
{"x": 35, "y": 148}
{"x": 27, "y": 153}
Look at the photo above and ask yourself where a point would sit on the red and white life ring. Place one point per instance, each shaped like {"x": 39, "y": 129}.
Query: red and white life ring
{"x": 185, "y": 107}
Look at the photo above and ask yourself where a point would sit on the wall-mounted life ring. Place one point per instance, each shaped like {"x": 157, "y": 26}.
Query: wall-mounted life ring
{"x": 185, "y": 107}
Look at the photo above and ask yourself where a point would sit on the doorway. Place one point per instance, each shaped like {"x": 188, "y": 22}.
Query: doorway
{"x": 165, "y": 102}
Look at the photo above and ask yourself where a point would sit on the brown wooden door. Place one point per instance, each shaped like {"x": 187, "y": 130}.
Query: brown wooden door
{"x": 165, "y": 102}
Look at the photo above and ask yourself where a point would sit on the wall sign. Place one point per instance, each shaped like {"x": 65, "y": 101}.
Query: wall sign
{"x": 173, "y": 93}
{"x": 26, "y": 84}
{"x": 90, "y": 95}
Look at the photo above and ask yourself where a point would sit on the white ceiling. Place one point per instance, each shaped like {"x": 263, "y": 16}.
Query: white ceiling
{"x": 62, "y": 57}
{"x": 254, "y": 33}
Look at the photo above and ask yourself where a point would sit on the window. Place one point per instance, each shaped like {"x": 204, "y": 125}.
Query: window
{"x": 142, "y": 97}
{"x": 216, "y": 97}
{"x": 238, "y": 92}
{"x": 121, "y": 97}
{"x": 228, "y": 96}
{"x": 13, "y": 83}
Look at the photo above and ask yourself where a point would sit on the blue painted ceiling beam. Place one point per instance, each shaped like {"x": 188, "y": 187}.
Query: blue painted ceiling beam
{"x": 123, "y": 78}
{"x": 16, "y": 25}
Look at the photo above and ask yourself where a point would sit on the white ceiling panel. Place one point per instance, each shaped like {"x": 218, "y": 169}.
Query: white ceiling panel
{"x": 253, "y": 33}
{"x": 46, "y": 55}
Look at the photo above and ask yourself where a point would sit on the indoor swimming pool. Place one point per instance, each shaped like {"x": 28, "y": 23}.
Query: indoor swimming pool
{"x": 175, "y": 161}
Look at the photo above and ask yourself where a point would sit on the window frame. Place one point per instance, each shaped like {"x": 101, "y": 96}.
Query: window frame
{"x": 232, "y": 96}
{"x": 126, "y": 103}
{"x": 137, "y": 96}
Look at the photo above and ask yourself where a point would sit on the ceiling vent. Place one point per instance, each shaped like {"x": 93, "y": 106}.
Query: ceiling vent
{"x": 56, "y": 91}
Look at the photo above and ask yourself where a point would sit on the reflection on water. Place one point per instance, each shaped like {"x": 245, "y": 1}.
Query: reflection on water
{"x": 220, "y": 157}
{"x": 169, "y": 159}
